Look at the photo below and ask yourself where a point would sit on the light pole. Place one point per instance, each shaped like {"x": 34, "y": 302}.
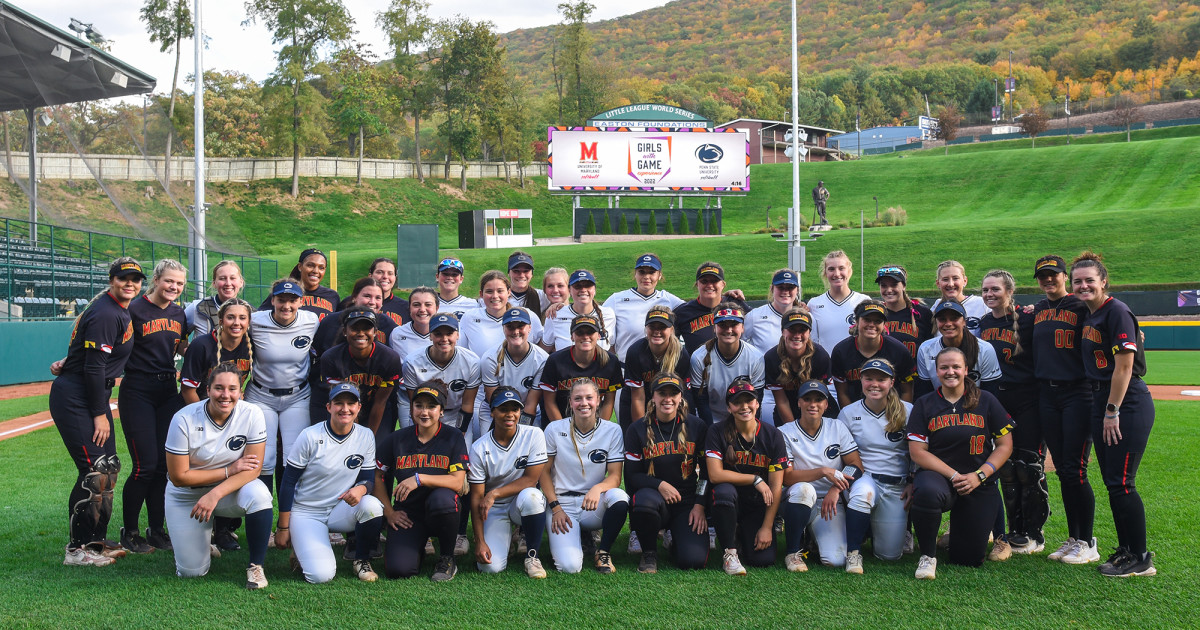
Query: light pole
{"x": 795, "y": 249}
{"x": 199, "y": 256}
{"x": 1008, "y": 87}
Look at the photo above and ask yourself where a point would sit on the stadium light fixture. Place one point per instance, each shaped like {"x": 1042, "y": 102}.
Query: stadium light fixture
{"x": 119, "y": 79}
{"x": 62, "y": 52}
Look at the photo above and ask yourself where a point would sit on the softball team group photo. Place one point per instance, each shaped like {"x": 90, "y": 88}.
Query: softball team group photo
{"x": 471, "y": 426}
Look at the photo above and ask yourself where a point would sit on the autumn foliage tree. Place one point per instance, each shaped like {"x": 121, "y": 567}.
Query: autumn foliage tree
{"x": 1124, "y": 113}
{"x": 1034, "y": 122}
{"x": 949, "y": 123}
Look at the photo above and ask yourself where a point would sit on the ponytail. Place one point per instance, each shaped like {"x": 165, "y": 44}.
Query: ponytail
{"x": 1010, "y": 307}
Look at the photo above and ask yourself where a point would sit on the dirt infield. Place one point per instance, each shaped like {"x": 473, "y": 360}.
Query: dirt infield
{"x": 25, "y": 390}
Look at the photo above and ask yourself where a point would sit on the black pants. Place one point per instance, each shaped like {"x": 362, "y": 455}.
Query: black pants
{"x": 89, "y": 506}
{"x": 651, "y": 513}
{"x": 1119, "y": 462}
{"x": 1066, "y": 410}
{"x": 971, "y": 517}
{"x": 737, "y": 515}
{"x": 436, "y": 516}
{"x": 146, "y": 404}
{"x": 1022, "y": 478}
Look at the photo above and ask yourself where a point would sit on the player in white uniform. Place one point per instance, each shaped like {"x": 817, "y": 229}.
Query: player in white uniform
{"x": 833, "y": 311}
{"x": 582, "y": 481}
{"x": 950, "y": 321}
{"x": 504, "y": 468}
{"x": 327, "y": 481}
{"x": 721, "y": 360}
{"x": 821, "y": 452}
{"x": 876, "y": 501}
{"x": 520, "y": 275}
{"x": 557, "y": 332}
{"x": 517, "y": 363}
{"x": 279, "y": 384}
{"x": 481, "y": 329}
{"x": 763, "y": 323}
{"x": 214, "y": 454}
{"x": 630, "y": 306}
{"x": 444, "y": 360}
{"x": 450, "y": 275}
{"x": 412, "y": 336}
{"x": 951, "y": 280}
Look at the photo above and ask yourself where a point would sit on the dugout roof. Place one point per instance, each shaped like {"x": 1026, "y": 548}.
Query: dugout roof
{"x": 41, "y": 64}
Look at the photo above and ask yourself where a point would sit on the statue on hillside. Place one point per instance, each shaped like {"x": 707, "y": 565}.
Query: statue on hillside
{"x": 820, "y": 195}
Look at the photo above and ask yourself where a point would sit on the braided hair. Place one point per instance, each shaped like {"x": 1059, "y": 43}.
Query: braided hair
{"x": 712, "y": 343}
{"x": 1010, "y": 307}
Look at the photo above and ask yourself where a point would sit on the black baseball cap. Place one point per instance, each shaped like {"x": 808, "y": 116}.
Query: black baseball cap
{"x": 432, "y": 389}
{"x": 585, "y": 321}
{"x": 895, "y": 273}
{"x": 666, "y": 318}
{"x": 739, "y": 387}
{"x": 786, "y": 276}
{"x": 443, "y": 320}
{"x": 666, "y": 379}
{"x": 1049, "y": 263}
{"x": 505, "y": 395}
{"x": 344, "y": 388}
{"x": 867, "y": 307}
{"x": 949, "y": 305}
{"x": 808, "y": 387}
{"x": 648, "y": 260}
{"x": 797, "y": 318}
{"x": 712, "y": 269}
{"x": 520, "y": 258}
{"x": 877, "y": 365}
{"x": 127, "y": 268}
{"x": 360, "y": 314}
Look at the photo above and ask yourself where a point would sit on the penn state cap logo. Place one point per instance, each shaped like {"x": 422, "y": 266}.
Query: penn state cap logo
{"x": 301, "y": 342}
{"x": 521, "y": 463}
{"x": 598, "y": 456}
{"x": 355, "y": 461}
{"x": 972, "y": 322}
{"x": 236, "y": 443}
{"x": 457, "y": 385}
{"x": 527, "y": 382}
{"x": 709, "y": 153}
{"x": 833, "y": 450}
{"x": 895, "y": 436}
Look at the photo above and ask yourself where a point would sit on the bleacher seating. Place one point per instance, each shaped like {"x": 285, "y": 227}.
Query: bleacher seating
{"x": 38, "y": 278}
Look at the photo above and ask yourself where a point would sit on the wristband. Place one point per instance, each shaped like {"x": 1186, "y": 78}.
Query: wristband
{"x": 702, "y": 487}
{"x": 757, "y": 480}
{"x": 226, "y": 472}
{"x": 281, "y": 529}
{"x": 526, "y": 418}
{"x": 417, "y": 476}
{"x": 990, "y": 464}
{"x": 552, "y": 505}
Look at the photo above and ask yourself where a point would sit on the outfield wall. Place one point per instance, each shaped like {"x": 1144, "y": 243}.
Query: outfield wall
{"x": 28, "y": 348}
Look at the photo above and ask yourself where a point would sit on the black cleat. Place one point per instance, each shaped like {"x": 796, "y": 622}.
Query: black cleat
{"x": 444, "y": 570}
{"x": 159, "y": 539}
{"x": 225, "y": 541}
{"x": 134, "y": 543}
{"x": 1130, "y": 565}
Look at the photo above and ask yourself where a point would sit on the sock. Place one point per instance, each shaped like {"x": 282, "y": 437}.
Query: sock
{"x": 795, "y": 520}
{"x": 925, "y": 526}
{"x": 614, "y": 520}
{"x": 258, "y": 530}
{"x": 857, "y": 524}
{"x": 366, "y": 537}
{"x": 534, "y": 527}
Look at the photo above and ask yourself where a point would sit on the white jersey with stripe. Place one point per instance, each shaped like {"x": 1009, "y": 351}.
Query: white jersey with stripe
{"x": 460, "y": 374}
{"x": 747, "y": 362}
{"x": 282, "y": 353}
{"x": 515, "y": 300}
{"x": 330, "y": 463}
{"x": 825, "y": 449}
{"x": 832, "y": 319}
{"x": 558, "y": 328}
{"x": 405, "y": 341}
{"x": 523, "y": 375}
{"x": 581, "y": 459}
{"x": 209, "y": 446}
{"x": 630, "y": 308}
{"x": 458, "y": 305}
{"x": 494, "y": 466}
{"x": 986, "y": 368}
{"x": 882, "y": 452}
{"x": 975, "y": 308}
{"x": 480, "y": 332}
{"x": 762, "y": 327}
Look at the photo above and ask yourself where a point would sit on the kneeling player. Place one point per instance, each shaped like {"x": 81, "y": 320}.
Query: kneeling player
{"x": 326, "y": 488}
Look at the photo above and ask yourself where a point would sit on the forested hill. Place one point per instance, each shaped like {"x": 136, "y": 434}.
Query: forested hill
{"x": 748, "y": 37}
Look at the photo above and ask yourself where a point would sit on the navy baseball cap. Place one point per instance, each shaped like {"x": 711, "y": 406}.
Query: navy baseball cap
{"x": 877, "y": 365}
{"x": 287, "y": 287}
{"x": 127, "y": 268}
{"x": 729, "y": 315}
{"x": 344, "y": 388}
{"x": 582, "y": 275}
{"x": 739, "y": 387}
{"x": 895, "y": 273}
{"x": 648, "y": 260}
{"x": 666, "y": 379}
{"x": 785, "y": 277}
{"x": 797, "y": 318}
{"x": 948, "y": 305}
{"x": 867, "y": 307}
{"x": 443, "y": 320}
{"x": 516, "y": 315}
{"x": 520, "y": 258}
{"x": 585, "y": 321}
{"x": 808, "y": 387}
{"x": 434, "y": 390}
{"x": 1049, "y": 263}
{"x": 666, "y": 318}
{"x": 451, "y": 264}
{"x": 713, "y": 269}
{"x": 503, "y": 396}
{"x": 360, "y": 314}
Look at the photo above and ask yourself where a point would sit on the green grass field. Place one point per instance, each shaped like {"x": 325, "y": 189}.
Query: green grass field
{"x": 1026, "y": 592}
{"x": 1173, "y": 368}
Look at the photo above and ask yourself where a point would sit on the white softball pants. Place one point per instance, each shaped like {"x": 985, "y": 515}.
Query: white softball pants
{"x": 310, "y": 534}
{"x": 830, "y": 534}
{"x": 190, "y": 537}
{"x": 566, "y": 548}
{"x": 889, "y": 519}
{"x": 501, "y": 518}
{"x": 286, "y": 417}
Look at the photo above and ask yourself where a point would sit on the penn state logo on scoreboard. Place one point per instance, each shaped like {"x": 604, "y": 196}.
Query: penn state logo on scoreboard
{"x": 355, "y": 461}
{"x": 457, "y": 385}
{"x": 895, "y": 436}
{"x": 236, "y": 443}
{"x": 521, "y": 463}
{"x": 832, "y": 451}
{"x": 527, "y": 382}
{"x": 301, "y": 342}
{"x": 598, "y": 456}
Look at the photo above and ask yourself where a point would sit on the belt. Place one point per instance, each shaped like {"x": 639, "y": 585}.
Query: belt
{"x": 281, "y": 391}
{"x": 570, "y": 494}
{"x": 1073, "y": 383}
{"x": 1102, "y": 385}
{"x": 890, "y": 480}
{"x": 161, "y": 376}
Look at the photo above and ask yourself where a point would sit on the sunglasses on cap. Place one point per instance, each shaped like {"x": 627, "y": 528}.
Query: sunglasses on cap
{"x": 450, "y": 263}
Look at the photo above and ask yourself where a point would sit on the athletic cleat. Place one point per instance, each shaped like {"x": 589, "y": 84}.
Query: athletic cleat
{"x": 635, "y": 545}
{"x": 255, "y": 578}
{"x": 795, "y": 562}
{"x": 908, "y": 543}
{"x": 1016, "y": 539}
{"x": 159, "y": 539}
{"x": 461, "y": 546}
{"x": 712, "y": 538}
{"x": 84, "y": 557}
{"x": 1116, "y": 557}
{"x": 134, "y": 543}
{"x": 1063, "y": 549}
{"x": 533, "y": 566}
{"x": 1082, "y": 552}
{"x": 778, "y": 524}
{"x": 517, "y": 542}
{"x": 926, "y": 568}
{"x": 731, "y": 563}
{"x": 1031, "y": 546}
{"x": 854, "y": 562}
{"x": 362, "y": 568}
{"x": 648, "y": 563}
{"x": 214, "y": 551}
{"x": 1000, "y": 552}
{"x": 604, "y": 563}
{"x": 294, "y": 563}
{"x": 429, "y": 547}
{"x": 270, "y": 540}
{"x": 444, "y": 570}
{"x": 336, "y": 539}
{"x": 225, "y": 541}
{"x": 1130, "y": 565}
{"x": 109, "y": 549}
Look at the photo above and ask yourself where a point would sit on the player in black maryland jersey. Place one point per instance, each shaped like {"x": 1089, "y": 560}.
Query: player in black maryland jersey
{"x": 796, "y": 358}
{"x": 659, "y": 350}
{"x": 308, "y": 272}
{"x": 959, "y": 436}
{"x": 694, "y": 319}
{"x": 908, "y": 321}
{"x": 101, "y": 341}
{"x": 367, "y": 293}
{"x": 368, "y": 364}
{"x": 228, "y": 342}
{"x": 584, "y": 359}
{"x": 426, "y": 464}
{"x": 868, "y": 340}
{"x": 1114, "y": 360}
